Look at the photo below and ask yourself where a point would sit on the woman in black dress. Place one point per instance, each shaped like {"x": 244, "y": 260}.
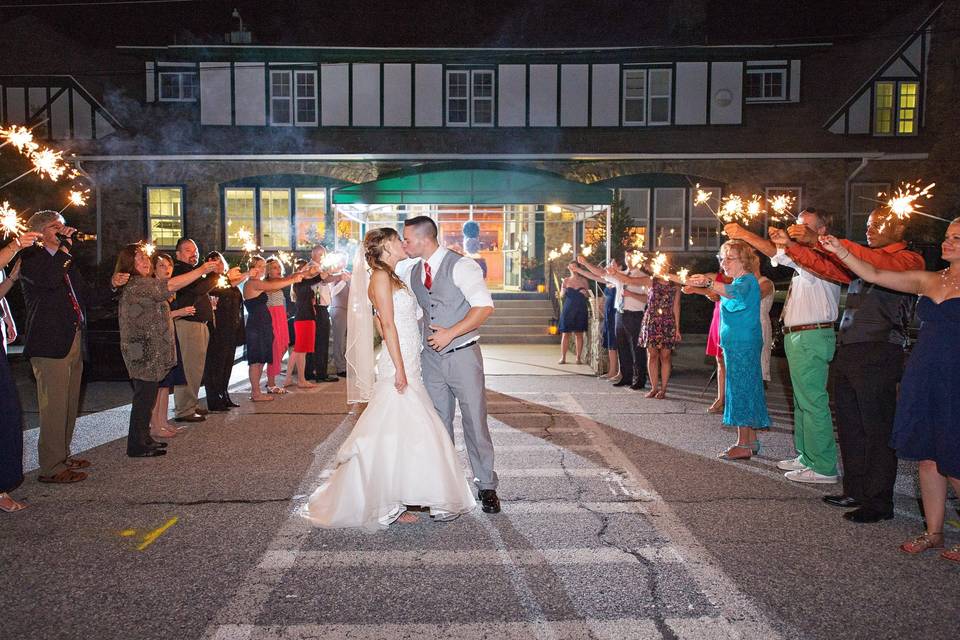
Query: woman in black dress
{"x": 573, "y": 315}
{"x": 226, "y": 334}
{"x": 11, "y": 419}
{"x": 304, "y": 324}
{"x": 259, "y": 328}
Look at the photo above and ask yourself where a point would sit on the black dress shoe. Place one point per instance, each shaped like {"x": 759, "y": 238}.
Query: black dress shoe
{"x": 194, "y": 418}
{"x": 489, "y": 501}
{"x": 147, "y": 453}
{"x": 231, "y": 404}
{"x": 866, "y": 515}
{"x": 218, "y": 409}
{"x": 841, "y": 500}
{"x": 329, "y": 379}
{"x": 637, "y": 387}
{"x": 622, "y": 383}
{"x": 154, "y": 444}
{"x": 342, "y": 374}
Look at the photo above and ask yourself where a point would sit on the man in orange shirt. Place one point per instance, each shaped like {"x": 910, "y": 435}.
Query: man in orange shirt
{"x": 869, "y": 359}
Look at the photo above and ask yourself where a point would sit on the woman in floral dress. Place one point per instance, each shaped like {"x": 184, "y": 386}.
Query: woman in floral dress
{"x": 660, "y": 333}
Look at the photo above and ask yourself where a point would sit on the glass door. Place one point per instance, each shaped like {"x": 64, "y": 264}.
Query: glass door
{"x": 512, "y": 247}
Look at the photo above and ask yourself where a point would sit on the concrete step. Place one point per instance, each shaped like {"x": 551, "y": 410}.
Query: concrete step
{"x": 534, "y": 320}
{"x": 509, "y": 339}
{"x": 513, "y": 329}
{"x": 523, "y": 304}
{"x": 519, "y": 295}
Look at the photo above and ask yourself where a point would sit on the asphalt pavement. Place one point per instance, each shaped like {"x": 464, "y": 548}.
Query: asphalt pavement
{"x": 618, "y": 522}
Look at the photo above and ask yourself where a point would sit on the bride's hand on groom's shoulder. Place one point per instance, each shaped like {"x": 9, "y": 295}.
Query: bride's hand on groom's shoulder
{"x": 400, "y": 380}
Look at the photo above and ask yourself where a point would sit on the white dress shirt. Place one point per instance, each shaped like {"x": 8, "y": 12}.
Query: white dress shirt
{"x": 811, "y": 300}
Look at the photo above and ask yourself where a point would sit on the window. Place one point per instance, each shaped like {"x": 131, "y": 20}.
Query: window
{"x": 293, "y": 98}
{"x": 275, "y": 218}
{"x": 178, "y": 86}
{"x": 647, "y": 96}
{"x": 864, "y": 197}
{"x": 240, "y": 212}
{"x": 895, "y": 108}
{"x": 668, "y": 209}
{"x": 766, "y": 85}
{"x": 310, "y": 214}
{"x": 164, "y": 216}
{"x": 704, "y": 226}
{"x": 637, "y": 202}
{"x": 470, "y": 98}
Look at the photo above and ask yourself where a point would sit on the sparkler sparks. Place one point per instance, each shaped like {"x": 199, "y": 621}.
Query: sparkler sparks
{"x": 333, "y": 261}
{"x": 781, "y": 206}
{"x": 48, "y": 161}
{"x": 223, "y": 282}
{"x": 10, "y": 224}
{"x": 76, "y": 198}
{"x": 702, "y": 197}
{"x": 904, "y": 201}
{"x": 586, "y": 250}
{"x": 19, "y": 137}
{"x": 286, "y": 258}
{"x": 682, "y": 275}
{"x": 246, "y": 240}
{"x": 149, "y": 249}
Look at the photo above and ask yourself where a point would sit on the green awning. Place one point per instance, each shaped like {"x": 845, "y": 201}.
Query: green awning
{"x": 486, "y": 185}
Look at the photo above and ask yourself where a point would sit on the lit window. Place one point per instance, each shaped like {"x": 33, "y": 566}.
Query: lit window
{"x": 310, "y": 214}
{"x": 907, "y": 108}
{"x": 240, "y": 212}
{"x": 637, "y": 204}
{"x": 470, "y": 98}
{"x": 178, "y": 86}
{"x": 275, "y": 218}
{"x": 883, "y": 108}
{"x": 766, "y": 85}
{"x": 165, "y": 216}
{"x": 647, "y": 96}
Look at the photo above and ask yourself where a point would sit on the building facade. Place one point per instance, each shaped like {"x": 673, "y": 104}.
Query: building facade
{"x": 301, "y": 144}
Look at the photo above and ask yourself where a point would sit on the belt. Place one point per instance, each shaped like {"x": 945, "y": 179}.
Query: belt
{"x": 807, "y": 327}
{"x": 463, "y": 346}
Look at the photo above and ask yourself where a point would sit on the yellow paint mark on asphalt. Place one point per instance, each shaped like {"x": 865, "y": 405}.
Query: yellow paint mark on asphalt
{"x": 151, "y": 537}
{"x": 128, "y": 533}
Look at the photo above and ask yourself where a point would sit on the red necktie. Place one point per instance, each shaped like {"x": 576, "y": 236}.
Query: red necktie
{"x": 73, "y": 299}
{"x": 428, "y": 280}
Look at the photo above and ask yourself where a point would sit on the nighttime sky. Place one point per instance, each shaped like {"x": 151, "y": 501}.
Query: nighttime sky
{"x": 458, "y": 22}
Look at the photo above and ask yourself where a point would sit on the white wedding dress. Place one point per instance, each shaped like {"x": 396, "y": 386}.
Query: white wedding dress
{"x": 399, "y": 452}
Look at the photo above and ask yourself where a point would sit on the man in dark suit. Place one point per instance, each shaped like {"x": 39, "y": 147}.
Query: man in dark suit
{"x": 52, "y": 292}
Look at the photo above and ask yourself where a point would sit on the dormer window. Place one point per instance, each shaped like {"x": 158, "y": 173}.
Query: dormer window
{"x": 178, "y": 86}
{"x": 895, "y": 108}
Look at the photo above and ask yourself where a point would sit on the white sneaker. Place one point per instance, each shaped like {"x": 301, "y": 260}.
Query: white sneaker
{"x": 793, "y": 464}
{"x": 810, "y": 476}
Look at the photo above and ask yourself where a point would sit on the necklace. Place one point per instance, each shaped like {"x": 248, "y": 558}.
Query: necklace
{"x": 948, "y": 280}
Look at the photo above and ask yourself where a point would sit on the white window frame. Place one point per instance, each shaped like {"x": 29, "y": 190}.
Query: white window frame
{"x": 288, "y": 99}
{"x": 297, "y": 98}
{"x": 151, "y": 216}
{"x": 180, "y": 75}
{"x": 471, "y": 99}
{"x": 703, "y": 214}
{"x": 648, "y": 96}
{"x": 262, "y": 219}
{"x": 656, "y": 219}
{"x": 763, "y": 72}
{"x": 322, "y": 218}
{"x": 639, "y": 221}
{"x": 854, "y": 207}
{"x": 253, "y": 226}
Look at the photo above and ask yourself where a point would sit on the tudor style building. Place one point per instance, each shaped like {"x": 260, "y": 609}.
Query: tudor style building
{"x": 302, "y": 144}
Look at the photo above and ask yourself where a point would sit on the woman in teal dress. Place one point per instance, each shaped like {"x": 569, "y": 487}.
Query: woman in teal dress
{"x": 927, "y": 423}
{"x": 741, "y": 338}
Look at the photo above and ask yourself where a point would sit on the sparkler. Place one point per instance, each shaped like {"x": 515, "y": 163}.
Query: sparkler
{"x": 904, "y": 203}
{"x": 19, "y": 137}
{"x": 10, "y": 224}
{"x": 48, "y": 161}
{"x": 246, "y": 240}
{"x": 223, "y": 282}
{"x": 333, "y": 261}
{"x": 286, "y": 258}
{"x": 149, "y": 249}
{"x": 682, "y": 275}
{"x": 781, "y": 206}
{"x": 76, "y": 198}
{"x": 586, "y": 250}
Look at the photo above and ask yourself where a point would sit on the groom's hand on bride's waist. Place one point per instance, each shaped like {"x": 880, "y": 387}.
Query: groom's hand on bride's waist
{"x": 440, "y": 337}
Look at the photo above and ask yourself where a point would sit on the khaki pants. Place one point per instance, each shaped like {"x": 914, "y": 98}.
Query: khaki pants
{"x": 193, "y": 337}
{"x": 58, "y": 397}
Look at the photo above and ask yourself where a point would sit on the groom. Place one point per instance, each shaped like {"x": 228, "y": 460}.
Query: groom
{"x": 455, "y": 303}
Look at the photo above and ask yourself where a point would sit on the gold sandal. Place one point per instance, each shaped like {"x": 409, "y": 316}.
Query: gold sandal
{"x": 952, "y": 554}
{"x": 923, "y": 542}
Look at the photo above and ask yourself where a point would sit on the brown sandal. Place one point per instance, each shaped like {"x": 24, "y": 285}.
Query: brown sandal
{"x": 77, "y": 463}
{"x": 67, "y": 476}
{"x": 952, "y": 554}
{"x": 923, "y": 542}
{"x": 12, "y": 505}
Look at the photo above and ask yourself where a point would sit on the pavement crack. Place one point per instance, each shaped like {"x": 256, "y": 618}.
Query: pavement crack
{"x": 193, "y": 503}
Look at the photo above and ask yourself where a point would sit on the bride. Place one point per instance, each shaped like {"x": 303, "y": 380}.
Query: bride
{"x": 399, "y": 453}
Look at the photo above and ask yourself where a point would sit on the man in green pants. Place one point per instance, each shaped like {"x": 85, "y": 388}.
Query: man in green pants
{"x": 809, "y": 313}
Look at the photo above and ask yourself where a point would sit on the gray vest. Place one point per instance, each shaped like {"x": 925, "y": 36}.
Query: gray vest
{"x": 443, "y": 304}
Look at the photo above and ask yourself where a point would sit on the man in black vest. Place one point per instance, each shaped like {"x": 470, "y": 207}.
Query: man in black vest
{"x": 53, "y": 293}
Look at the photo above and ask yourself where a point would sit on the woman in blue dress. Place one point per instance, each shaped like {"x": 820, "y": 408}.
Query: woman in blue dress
{"x": 741, "y": 338}
{"x": 573, "y": 315}
{"x": 927, "y": 422}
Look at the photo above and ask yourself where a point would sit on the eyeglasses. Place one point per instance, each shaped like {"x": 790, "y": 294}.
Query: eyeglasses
{"x": 721, "y": 258}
